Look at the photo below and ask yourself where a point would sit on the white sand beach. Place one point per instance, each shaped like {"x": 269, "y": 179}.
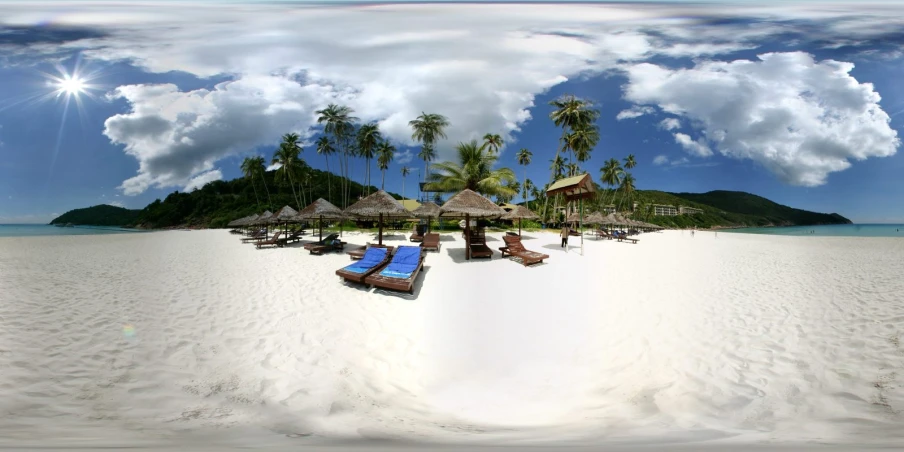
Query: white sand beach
{"x": 708, "y": 340}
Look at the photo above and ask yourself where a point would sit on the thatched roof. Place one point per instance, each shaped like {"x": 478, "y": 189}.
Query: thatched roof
{"x": 426, "y": 210}
{"x": 595, "y": 218}
{"x": 470, "y": 203}
{"x": 237, "y": 222}
{"x": 318, "y": 209}
{"x": 284, "y": 215}
{"x": 263, "y": 218}
{"x": 574, "y": 187}
{"x": 248, "y": 220}
{"x": 519, "y": 213}
{"x": 378, "y": 203}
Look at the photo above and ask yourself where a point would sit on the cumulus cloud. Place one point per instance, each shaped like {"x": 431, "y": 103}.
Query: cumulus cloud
{"x": 116, "y": 204}
{"x": 203, "y": 179}
{"x": 634, "y": 112}
{"x": 404, "y": 157}
{"x": 799, "y": 118}
{"x": 480, "y": 65}
{"x": 670, "y": 124}
{"x": 696, "y": 147}
{"x": 660, "y": 160}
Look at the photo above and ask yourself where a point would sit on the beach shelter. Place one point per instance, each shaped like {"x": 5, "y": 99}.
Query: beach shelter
{"x": 469, "y": 204}
{"x": 320, "y": 210}
{"x": 427, "y": 210}
{"x": 519, "y": 213}
{"x": 378, "y": 205}
{"x": 575, "y": 188}
{"x": 284, "y": 216}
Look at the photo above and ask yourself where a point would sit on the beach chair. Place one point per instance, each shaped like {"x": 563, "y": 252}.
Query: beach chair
{"x": 400, "y": 273}
{"x": 359, "y": 253}
{"x": 271, "y": 242}
{"x": 621, "y": 236}
{"x": 481, "y": 250}
{"x": 371, "y": 261}
{"x": 418, "y": 235}
{"x": 515, "y": 248}
{"x": 431, "y": 241}
{"x": 255, "y": 236}
{"x": 327, "y": 244}
{"x": 293, "y": 237}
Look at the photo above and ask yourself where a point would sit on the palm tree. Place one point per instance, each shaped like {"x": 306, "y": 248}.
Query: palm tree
{"x": 527, "y": 187}
{"x": 524, "y": 157}
{"x": 558, "y": 167}
{"x": 325, "y": 148}
{"x": 287, "y": 155}
{"x": 573, "y": 114}
{"x": 369, "y": 138}
{"x": 260, "y": 166}
{"x": 385, "y": 154}
{"x": 405, "y": 172}
{"x": 627, "y": 188}
{"x": 427, "y": 128}
{"x": 630, "y": 162}
{"x": 248, "y": 170}
{"x": 582, "y": 140}
{"x": 611, "y": 173}
{"x": 339, "y": 123}
{"x": 491, "y": 143}
{"x": 473, "y": 170}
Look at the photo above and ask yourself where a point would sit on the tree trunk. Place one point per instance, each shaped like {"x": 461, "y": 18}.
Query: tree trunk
{"x": 383, "y": 180}
{"x": 329, "y": 191}
{"x": 264, "y": 179}
{"x": 255, "y": 192}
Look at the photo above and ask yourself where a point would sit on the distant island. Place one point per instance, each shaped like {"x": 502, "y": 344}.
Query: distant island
{"x": 219, "y": 202}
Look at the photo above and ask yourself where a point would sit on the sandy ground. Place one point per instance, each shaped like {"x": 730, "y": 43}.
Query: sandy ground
{"x": 193, "y": 338}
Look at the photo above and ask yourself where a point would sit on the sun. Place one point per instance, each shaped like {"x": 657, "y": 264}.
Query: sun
{"x": 72, "y": 85}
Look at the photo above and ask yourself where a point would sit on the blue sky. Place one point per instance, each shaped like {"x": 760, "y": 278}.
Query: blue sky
{"x": 706, "y": 97}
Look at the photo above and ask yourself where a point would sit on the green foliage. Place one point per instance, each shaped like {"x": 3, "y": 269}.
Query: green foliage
{"x": 220, "y": 202}
{"x": 101, "y": 215}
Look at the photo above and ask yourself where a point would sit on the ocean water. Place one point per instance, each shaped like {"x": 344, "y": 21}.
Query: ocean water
{"x": 833, "y": 230}
{"x": 30, "y": 230}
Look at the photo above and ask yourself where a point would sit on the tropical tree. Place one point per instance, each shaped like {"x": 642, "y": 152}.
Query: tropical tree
{"x": 261, "y": 170}
{"x": 558, "y": 167}
{"x": 427, "y": 128}
{"x": 627, "y": 189}
{"x": 527, "y": 187}
{"x": 405, "y": 172}
{"x": 630, "y": 162}
{"x": 326, "y": 149}
{"x": 611, "y": 174}
{"x": 249, "y": 170}
{"x": 524, "y": 157}
{"x": 491, "y": 143}
{"x": 385, "y": 154}
{"x": 287, "y": 156}
{"x": 338, "y": 123}
{"x": 577, "y": 118}
{"x": 473, "y": 170}
{"x": 368, "y": 139}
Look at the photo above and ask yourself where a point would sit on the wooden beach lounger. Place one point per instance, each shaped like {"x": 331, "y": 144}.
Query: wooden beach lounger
{"x": 255, "y": 237}
{"x": 515, "y": 248}
{"x": 293, "y": 237}
{"x": 359, "y": 253}
{"x": 431, "y": 241}
{"x": 372, "y": 260}
{"x": 329, "y": 243}
{"x": 271, "y": 242}
{"x": 400, "y": 272}
{"x": 622, "y": 237}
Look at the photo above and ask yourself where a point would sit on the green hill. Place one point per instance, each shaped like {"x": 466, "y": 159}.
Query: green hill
{"x": 102, "y": 215}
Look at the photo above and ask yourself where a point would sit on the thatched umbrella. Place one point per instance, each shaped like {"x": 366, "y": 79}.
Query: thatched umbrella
{"x": 320, "y": 209}
{"x": 520, "y": 213}
{"x": 427, "y": 210}
{"x": 595, "y": 218}
{"x": 378, "y": 205}
{"x": 284, "y": 216}
{"x": 468, "y": 203}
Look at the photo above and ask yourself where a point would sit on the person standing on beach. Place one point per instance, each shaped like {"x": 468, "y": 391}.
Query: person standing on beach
{"x": 564, "y": 235}
{"x": 692, "y": 231}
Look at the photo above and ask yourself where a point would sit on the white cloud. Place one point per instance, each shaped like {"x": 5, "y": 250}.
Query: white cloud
{"x": 696, "y": 147}
{"x": 660, "y": 160}
{"x": 203, "y": 179}
{"x": 116, "y": 204}
{"x": 274, "y": 166}
{"x": 670, "y": 124}
{"x": 799, "y": 118}
{"x": 480, "y": 65}
{"x": 634, "y": 112}
{"x": 403, "y": 157}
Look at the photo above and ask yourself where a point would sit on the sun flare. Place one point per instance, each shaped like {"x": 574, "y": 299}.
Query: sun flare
{"x": 72, "y": 85}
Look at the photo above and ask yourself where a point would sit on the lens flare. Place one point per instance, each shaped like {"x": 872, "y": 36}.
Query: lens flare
{"x": 128, "y": 330}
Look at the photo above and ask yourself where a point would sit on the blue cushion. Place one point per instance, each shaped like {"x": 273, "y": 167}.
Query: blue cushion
{"x": 372, "y": 258}
{"x": 404, "y": 263}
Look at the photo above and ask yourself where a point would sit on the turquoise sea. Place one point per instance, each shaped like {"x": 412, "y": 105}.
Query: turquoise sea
{"x": 834, "y": 230}
{"x": 31, "y": 230}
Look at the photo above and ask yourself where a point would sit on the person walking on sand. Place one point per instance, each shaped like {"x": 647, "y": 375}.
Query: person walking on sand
{"x": 564, "y": 235}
